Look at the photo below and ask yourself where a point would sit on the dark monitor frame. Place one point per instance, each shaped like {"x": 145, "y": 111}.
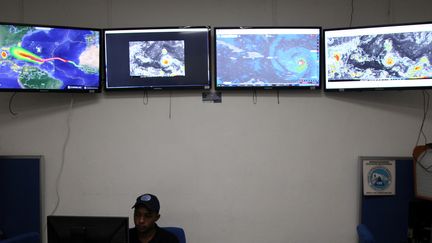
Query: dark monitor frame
{"x": 273, "y": 87}
{"x": 66, "y": 229}
{"x": 160, "y": 87}
{"x": 99, "y": 88}
{"x": 324, "y": 53}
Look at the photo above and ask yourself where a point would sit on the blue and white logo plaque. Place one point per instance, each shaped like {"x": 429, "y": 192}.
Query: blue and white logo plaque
{"x": 379, "y": 177}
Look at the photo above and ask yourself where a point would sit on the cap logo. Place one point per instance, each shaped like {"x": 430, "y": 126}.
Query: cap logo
{"x": 145, "y": 198}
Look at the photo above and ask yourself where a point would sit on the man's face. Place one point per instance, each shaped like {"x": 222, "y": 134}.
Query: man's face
{"x": 144, "y": 220}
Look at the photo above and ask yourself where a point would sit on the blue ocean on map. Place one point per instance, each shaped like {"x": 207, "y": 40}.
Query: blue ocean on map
{"x": 268, "y": 60}
{"x": 67, "y": 44}
{"x": 60, "y": 49}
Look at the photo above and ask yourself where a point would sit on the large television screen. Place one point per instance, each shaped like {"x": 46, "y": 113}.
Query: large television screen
{"x": 95, "y": 229}
{"x": 380, "y": 57}
{"x": 257, "y": 57}
{"x": 157, "y": 58}
{"x": 47, "y": 58}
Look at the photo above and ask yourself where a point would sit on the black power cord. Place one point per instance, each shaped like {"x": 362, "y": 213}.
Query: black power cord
{"x": 10, "y": 105}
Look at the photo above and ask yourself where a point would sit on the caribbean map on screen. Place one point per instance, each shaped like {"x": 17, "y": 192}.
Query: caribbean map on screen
{"x": 48, "y": 58}
{"x": 380, "y": 57}
{"x": 268, "y": 60}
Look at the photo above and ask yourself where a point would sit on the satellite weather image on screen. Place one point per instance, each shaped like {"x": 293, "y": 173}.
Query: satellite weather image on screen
{"x": 157, "y": 58}
{"x": 266, "y": 58}
{"x": 379, "y": 57}
{"x": 45, "y": 58}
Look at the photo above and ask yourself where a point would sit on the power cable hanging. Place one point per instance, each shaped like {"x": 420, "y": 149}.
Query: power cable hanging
{"x": 170, "y": 101}
{"x": 274, "y": 13}
{"x": 352, "y": 13}
{"x": 389, "y": 12}
{"x": 254, "y": 97}
{"x": 426, "y": 99}
{"x": 10, "y": 105}
{"x": 277, "y": 93}
{"x": 145, "y": 97}
{"x": 427, "y": 168}
{"x": 65, "y": 143}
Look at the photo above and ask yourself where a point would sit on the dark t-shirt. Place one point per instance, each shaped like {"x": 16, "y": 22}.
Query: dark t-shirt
{"x": 161, "y": 236}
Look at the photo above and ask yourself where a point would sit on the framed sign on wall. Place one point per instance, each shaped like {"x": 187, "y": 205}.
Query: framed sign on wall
{"x": 379, "y": 177}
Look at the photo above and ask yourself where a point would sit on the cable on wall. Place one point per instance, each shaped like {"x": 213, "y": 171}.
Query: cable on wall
{"x": 277, "y": 93}
{"x": 274, "y": 13}
{"x": 109, "y": 12}
{"x": 426, "y": 99}
{"x": 389, "y": 11}
{"x": 254, "y": 97}
{"x": 418, "y": 160}
{"x": 170, "y": 95}
{"x": 22, "y": 11}
{"x": 145, "y": 97}
{"x": 10, "y": 105}
{"x": 65, "y": 143}
{"x": 352, "y": 13}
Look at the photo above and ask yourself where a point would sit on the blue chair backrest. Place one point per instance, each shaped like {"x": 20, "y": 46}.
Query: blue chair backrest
{"x": 31, "y": 237}
{"x": 365, "y": 236}
{"x": 178, "y": 232}
{"x": 20, "y": 200}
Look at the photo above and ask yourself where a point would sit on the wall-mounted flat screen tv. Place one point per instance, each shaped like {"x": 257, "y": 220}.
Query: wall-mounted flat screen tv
{"x": 267, "y": 58}
{"x": 378, "y": 58}
{"x": 157, "y": 58}
{"x": 48, "y": 58}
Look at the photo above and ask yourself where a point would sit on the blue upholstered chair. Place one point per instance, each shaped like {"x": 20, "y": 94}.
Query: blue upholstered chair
{"x": 364, "y": 234}
{"x": 177, "y": 231}
{"x": 31, "y": 237}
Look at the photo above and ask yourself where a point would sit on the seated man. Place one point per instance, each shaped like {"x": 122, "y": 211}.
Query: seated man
{"x": 146, "y": 213}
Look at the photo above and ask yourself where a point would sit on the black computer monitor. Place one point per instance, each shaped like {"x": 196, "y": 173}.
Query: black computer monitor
{"x": 267, "y": 57}
{"x": 42, "y": 58}
{"x": 378, "y": 57}
{"x": 157, "y": 58}
{"x": 86, "y": 229}
{"x": 420, "y": 221}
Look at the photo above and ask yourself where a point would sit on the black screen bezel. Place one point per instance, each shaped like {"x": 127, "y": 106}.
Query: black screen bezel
{"x": 206, "y": 86}
{"x": 101, "y": 67}
{"x": 324, "y": 61}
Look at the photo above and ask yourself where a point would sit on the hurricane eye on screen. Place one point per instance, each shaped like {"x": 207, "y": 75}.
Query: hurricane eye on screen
{"x": 49, "y": 58}
{"x": 273, "y": 57}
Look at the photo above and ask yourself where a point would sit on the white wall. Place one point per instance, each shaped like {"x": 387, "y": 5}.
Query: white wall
{"x": 234, "y": 172}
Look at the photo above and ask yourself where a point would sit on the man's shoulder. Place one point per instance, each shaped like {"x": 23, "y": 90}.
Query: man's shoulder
{"x": 133, "y": 235}
{"x": 166, "y": 236}
{"x": 132, "y": 230}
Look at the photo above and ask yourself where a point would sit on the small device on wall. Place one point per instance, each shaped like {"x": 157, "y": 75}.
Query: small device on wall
{"x": 212, "y": 97}
{"x": 157, "y": 58}
{"x": 49, "y": 58}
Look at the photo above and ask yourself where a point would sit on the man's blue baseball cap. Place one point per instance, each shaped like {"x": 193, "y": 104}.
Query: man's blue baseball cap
{"x": 148, "y": 201}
